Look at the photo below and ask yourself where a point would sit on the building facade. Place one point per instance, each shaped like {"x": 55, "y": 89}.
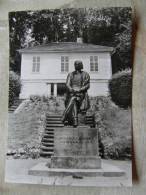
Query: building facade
{"x": 44, "y": 68}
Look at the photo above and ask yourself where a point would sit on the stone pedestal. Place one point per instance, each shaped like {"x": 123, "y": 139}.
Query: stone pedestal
{"x": 75, "y": 148}
{"x": 76, "y": 154}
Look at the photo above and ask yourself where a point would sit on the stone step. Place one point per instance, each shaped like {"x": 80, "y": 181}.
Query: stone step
{"x": 49, "y": 129}
{"x": 46, "y": 154}
{"x": 48, "y": 144}
{"x": 60, "y": 116}
{"x": 48, "y": 136}
{"x": 49, "y": 132}
{"x": 13, "y": 107}
{"x": 105, "y": 172}
{"x": 48, "y": 140}
{"x": 46, "y": 148}
{"x": 54, "y": 125}
{"x": 53, "y": 119}
{"x": 54, "y": 122}
{"x": 53, "y": 116}
{"x": 91, "y": 122}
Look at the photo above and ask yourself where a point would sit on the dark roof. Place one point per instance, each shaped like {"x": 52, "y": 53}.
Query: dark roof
{"x": 69, "y": 47}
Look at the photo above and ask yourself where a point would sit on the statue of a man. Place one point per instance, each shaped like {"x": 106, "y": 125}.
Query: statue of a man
{"x": 77, "y": 100}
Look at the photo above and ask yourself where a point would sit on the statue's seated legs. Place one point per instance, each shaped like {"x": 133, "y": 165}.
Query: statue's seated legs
{"x": 75, "y": 114}
{"x": 71, "y": 112}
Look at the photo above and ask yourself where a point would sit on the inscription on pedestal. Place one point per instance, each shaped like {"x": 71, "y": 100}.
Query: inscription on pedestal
{"x": 75, "y": 141}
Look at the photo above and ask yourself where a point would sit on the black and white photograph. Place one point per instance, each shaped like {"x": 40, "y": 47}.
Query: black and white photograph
{"x": 70, "y": 97}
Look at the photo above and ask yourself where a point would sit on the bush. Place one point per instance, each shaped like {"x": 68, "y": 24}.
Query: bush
{"x": 120, "y": 87}
{"x": 14, "y": 87}
{"x": 38, "y": 98}
{"x": 114, "y": 128}
{"x": 117, "y": 148}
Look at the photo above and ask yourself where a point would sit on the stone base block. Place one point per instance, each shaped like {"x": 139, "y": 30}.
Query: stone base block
{"x": 107, "y": 170}
{"x": 78, "y": 162}
{"x": 80, "y": 141}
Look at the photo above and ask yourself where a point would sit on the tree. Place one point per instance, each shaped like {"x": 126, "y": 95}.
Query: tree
{"x": 108, "y": 26}
{"x": 19, "y": 22}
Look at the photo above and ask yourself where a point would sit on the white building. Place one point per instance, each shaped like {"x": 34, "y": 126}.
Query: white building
{"x": 44, "y": 68}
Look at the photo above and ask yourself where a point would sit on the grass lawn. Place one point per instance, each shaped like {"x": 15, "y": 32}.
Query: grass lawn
{"x": 25, "y": 128}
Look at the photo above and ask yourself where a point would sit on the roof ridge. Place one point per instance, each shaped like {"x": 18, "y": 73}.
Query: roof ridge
{"x": 67, "y": 46}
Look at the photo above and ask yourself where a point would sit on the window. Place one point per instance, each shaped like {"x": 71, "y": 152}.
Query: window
{"x": 36, "y": 64}
{"x": 64, "y": 63}
{"x": 93, "y": 63}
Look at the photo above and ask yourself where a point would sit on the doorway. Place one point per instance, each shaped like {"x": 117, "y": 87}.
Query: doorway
{"x": 61, "y": 89}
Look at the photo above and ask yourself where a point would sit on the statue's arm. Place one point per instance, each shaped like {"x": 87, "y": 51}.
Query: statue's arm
{"x": 68, "y": 83}
{"x": 85, "y": 88}
{"x": 86, "y": 84}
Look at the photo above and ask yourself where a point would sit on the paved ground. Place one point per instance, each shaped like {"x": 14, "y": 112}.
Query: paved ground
{"x": 17, "y": 172}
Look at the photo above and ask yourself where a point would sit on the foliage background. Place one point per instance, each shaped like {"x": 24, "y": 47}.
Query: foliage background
{"x": 108, "y": 26}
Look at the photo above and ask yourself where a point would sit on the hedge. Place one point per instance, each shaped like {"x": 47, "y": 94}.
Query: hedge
{"x": 14, "y": 87}
{"x": 120, "y": 88}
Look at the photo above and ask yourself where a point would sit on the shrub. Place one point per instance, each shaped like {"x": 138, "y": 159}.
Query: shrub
{"x": 120, "y": 87}
{"x": 14, "y": 87}
{"x": 117, "y": 148}
{"x": 37, "y": 98}
{"x": 114, "y": 128}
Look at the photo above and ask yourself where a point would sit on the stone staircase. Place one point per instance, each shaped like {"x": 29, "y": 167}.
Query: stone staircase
{"x": 47, "y": 143}
{"x": 52, "y": 122}
{"x": 17, "y": 102}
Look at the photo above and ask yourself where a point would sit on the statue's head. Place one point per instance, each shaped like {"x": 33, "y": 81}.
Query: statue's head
{"x": 78, "y": 65}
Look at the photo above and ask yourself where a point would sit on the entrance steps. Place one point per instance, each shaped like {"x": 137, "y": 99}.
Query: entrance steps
{"x": 15, "y": 105}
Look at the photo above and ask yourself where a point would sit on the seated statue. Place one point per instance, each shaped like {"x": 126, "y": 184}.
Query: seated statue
{"x": 77, "y": 100}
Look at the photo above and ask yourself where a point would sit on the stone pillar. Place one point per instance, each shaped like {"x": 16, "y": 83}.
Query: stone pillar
{"x": 49, "y": 89}
{"x": 55, "y": 89}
